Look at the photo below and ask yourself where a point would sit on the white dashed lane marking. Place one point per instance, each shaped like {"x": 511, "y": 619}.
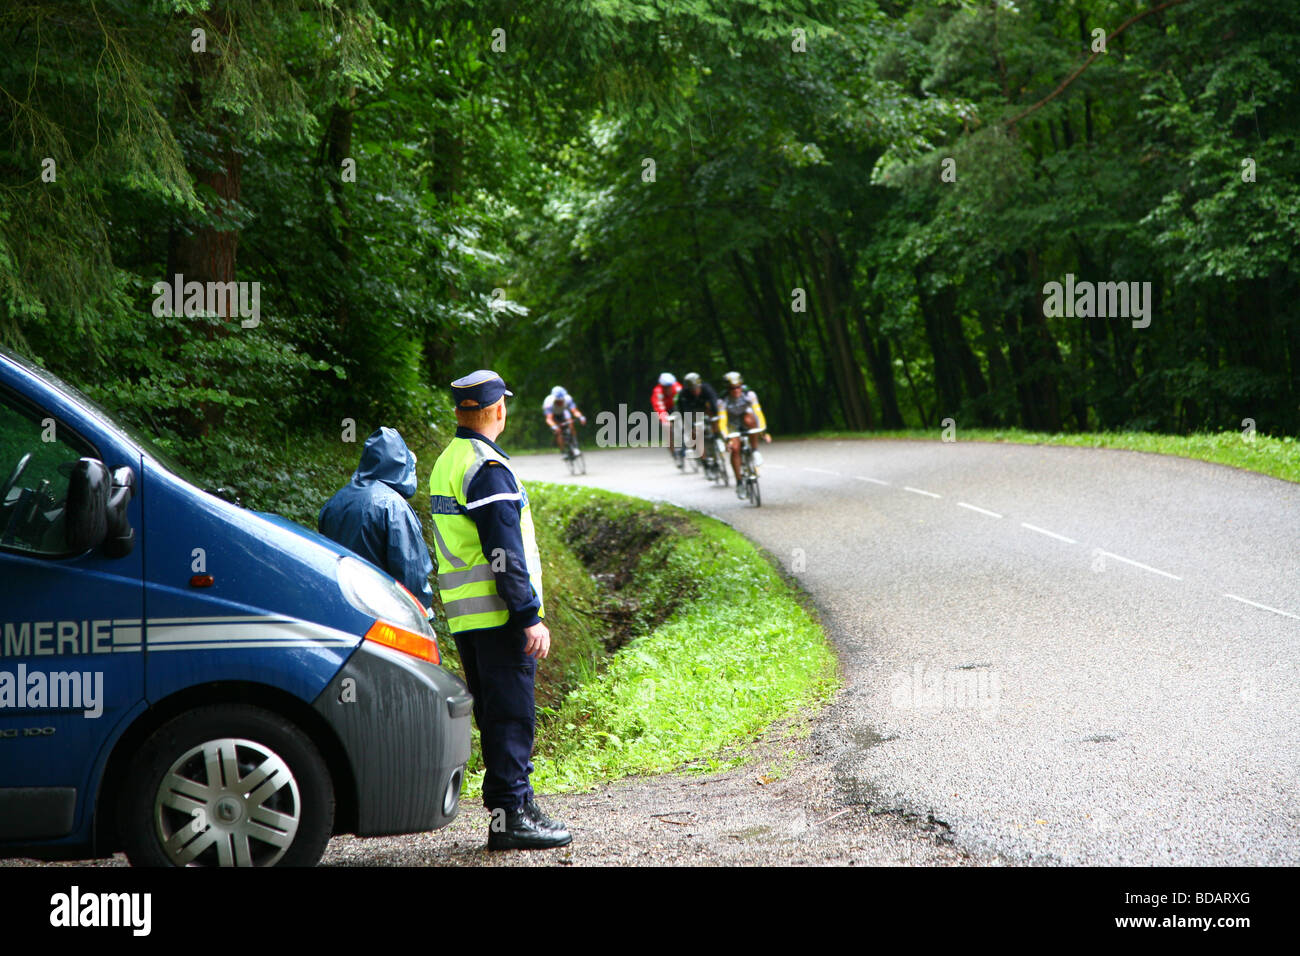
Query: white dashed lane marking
{"x": 1050, "y": 534}
{"x": 918, "y": 491}
{"x": 1264, "y": 607}
{"x": 1137, "y": 564}
{"x": 983, "y": 511}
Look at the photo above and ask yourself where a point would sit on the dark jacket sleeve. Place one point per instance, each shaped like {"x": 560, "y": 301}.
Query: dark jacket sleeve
{"x": 503, "y": 543}
{"x": 408, "y": 555}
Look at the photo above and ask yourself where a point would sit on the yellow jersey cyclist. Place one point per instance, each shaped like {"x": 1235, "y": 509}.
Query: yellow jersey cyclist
{"x": 560, "y": 409}
{"x": 740, "y": 411}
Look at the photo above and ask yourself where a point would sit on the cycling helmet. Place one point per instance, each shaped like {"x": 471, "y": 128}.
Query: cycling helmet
{"x": 559, "y": 392}
{"x": 733, "y": 378}
{"x": 692, "y": 378}
{"x": 667, "y": 379}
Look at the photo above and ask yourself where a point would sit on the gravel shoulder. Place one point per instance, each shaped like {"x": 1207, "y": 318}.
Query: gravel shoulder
{"x": 787, "y": 805}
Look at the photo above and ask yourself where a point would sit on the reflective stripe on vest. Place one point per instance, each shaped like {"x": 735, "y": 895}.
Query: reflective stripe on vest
{"x": 466, "y": 580}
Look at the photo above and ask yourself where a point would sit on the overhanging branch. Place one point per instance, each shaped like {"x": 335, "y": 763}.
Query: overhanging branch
{"x": 1088, "y": 62}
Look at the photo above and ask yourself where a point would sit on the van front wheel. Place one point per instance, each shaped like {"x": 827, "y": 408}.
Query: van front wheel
{"x": 227, "y": 785}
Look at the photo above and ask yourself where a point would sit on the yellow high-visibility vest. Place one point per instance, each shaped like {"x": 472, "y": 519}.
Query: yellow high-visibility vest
{"x": 466, "y": 579}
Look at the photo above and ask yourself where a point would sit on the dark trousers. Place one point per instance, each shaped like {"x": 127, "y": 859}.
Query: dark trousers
{"x": 500, "y": 676}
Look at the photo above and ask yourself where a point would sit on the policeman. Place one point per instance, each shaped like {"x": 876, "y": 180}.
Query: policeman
{"x": 370, "y": 515}
{"x": 490, "y": 583}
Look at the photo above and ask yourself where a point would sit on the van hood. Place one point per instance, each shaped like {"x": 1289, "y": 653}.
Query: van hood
{"x": 303, "y": 531}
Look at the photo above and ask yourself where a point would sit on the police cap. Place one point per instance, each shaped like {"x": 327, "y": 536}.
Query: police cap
{"x": 478, "y": 389}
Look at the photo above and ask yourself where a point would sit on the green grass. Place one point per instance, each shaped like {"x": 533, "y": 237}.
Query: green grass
{"x": 741, "y": 653}
{"x": 1276, "y": 457}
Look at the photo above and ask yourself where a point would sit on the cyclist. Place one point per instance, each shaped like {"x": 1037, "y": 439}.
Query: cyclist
{"x": 699, "y": 401}
{"x": 560, "y": 409}
{"x": 740, "y": 410}
{"x": 662, "y": 399}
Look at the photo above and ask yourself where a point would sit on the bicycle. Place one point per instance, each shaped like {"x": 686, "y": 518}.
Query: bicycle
{"x": 708, "y": 445}
{"x": 676, "y": 448}
{"x": 748, "y": 471}
{"x": 569, "y": 449}
{"x": 720, "y": 456}
{"x": 693, "y": 440}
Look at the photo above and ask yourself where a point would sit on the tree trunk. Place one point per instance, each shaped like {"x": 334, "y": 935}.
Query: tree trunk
{"x": 201, "y": 251}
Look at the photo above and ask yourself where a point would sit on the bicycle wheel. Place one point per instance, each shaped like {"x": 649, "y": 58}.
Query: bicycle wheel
{"x": 758, "y": 495}
{"x": 723, "y": 460}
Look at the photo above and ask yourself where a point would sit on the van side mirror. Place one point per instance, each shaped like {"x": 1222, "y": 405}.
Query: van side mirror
{"x": 121, "y": 536}
{"x": 86, "y": 510}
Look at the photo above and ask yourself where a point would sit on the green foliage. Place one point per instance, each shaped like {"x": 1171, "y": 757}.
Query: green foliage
{"x": 855, "y": 203}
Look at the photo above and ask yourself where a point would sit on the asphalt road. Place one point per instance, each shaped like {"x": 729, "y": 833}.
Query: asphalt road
{"x": 1066, "y": 655}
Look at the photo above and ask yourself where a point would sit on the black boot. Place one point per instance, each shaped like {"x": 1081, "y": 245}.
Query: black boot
{"x": 517, "y": 830}
{"x": 541, "y": 819}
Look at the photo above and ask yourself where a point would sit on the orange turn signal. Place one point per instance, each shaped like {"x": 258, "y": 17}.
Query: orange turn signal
{"x": 408, "y": 642}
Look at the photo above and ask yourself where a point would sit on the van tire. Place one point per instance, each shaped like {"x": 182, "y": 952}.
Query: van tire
{"x": 295, "y": 789}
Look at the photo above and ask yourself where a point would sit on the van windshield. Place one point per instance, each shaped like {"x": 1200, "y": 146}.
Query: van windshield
{"x": 111, "y": 421}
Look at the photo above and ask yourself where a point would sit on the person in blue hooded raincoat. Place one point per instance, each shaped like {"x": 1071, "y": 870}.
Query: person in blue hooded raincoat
{"x": 370, "y": 515}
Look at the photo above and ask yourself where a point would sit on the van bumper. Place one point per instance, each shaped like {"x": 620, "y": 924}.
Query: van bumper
{"x": 404, "y": 724}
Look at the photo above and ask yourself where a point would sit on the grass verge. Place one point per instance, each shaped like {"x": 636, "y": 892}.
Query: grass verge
{"x": 1275, "y": 457}
{"x": 737, "y": 651}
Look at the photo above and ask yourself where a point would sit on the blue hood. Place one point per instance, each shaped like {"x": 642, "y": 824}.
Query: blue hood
{"x": 386, "y": 458}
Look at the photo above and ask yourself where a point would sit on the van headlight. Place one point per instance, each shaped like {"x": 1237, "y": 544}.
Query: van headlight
{"x": 400, "y": 620}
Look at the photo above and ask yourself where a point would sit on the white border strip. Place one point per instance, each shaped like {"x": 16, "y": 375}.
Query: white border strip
{"x": 918, "y": 491}
{"x": 983, "y": 511}
{"x": 1138, "y": 564}
{"x": 1263, "y": 607}
{"x": 1050, "y": 534}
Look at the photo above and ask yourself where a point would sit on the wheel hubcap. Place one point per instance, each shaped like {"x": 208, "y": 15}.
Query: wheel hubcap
{"x": 229, "y": 802}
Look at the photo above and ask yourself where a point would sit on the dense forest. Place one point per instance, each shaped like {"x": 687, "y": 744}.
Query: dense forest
{"x": 860, "y": 204}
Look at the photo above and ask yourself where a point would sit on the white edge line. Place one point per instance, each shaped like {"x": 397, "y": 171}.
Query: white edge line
{"x": 918, "y": 491}
{"x": 874, "y": 481}
{"x": 1138, "y": 564}
{"x": 822, "y": 471}
{"x": 1264, "y": 607}
{"x": 983, "y": 511}
{"x": 1050, "y": 534}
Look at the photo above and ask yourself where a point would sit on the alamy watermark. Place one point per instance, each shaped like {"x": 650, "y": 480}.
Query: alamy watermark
{"x": 52, "y": 690}
{"x": 193, "y": 299}
{"x": 1099, "y": 300}
{"x": 76, "y": 908}
{"x": 929, "y": 689}
{"x": 638, "y": 429}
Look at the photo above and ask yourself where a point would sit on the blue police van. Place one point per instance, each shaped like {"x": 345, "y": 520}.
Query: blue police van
{"x": 191, "y": 682}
